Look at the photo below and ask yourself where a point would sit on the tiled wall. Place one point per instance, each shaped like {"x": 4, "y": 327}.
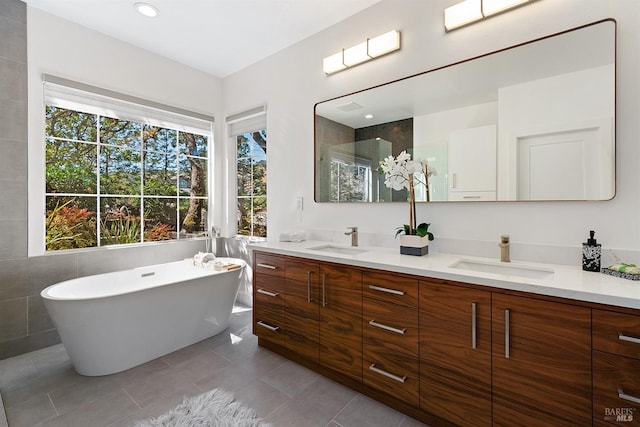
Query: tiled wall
{"x": 13, "y": 130}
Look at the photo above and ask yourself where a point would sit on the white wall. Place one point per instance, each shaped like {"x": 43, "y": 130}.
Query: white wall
{"x": 61, "y": 48}
{"x": 292, "y": 81}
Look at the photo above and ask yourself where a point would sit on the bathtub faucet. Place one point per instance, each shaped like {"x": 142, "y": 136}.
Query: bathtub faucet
{"x": 212, "y": 238}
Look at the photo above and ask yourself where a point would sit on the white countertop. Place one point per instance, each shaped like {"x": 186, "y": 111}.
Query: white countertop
{"x": 566, "y": 282}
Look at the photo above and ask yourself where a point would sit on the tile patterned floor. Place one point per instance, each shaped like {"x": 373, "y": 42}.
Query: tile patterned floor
{"x": 41, "y": 389}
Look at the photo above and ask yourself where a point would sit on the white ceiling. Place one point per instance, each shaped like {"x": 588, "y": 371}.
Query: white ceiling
{"x": 219, "y": 37}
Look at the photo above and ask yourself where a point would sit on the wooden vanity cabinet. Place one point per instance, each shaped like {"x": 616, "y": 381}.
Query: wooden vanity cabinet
{"x": 390, "y": 335}
{"x": 616, "y": 368}
{"x": 541, "y": 362}
{"x": 452, "y": 353}
{"x": 455, "y": 353}
{"x": 311, "y": 308}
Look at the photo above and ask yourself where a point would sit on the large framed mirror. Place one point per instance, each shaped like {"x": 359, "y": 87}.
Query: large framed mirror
{"x": 534, "y": 121}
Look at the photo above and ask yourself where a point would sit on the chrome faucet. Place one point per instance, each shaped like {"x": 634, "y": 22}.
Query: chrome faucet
{"x": 354, "y": 235}
{"x": 504, "y": 248}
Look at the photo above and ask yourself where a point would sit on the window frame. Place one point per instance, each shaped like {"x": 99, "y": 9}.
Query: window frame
{"x": 248, "y": 121}
{"x": 163, "y": 116}
{"x": 251, "y": 197}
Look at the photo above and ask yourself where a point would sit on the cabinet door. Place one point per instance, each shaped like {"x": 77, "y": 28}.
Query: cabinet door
{"x": 455, "y": 353}
{"x": 472, "y": 159}
{"x": 341, "y": 320}
{"x": 541, "y": 363}
{"x": 301, "y": 307}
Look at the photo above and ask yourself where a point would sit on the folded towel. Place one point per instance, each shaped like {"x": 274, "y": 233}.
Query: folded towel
{"x": 625, "y": 268}
{"x": 293, "y": 236}
{"x": 220, "y": 266}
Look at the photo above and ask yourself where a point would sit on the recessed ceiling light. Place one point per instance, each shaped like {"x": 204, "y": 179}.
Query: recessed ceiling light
{"x": 369, "y": 116}
{"x": 146, "y": 9}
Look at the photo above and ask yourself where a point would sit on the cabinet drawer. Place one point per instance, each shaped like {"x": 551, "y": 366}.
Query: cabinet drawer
{"x": 616, "y": 333}
{"x": 391, "y": 288}
{"x": 268, "y": 297}
{"x": 267, "y": 283}
{"x": 478, "y": 196}
{"x": 616, "y": 389}
{"x": 396, "y": 375}
{"x": 390, "y": 327}
{"x": 268, "y": 323}
{"x": 271, "y": 265}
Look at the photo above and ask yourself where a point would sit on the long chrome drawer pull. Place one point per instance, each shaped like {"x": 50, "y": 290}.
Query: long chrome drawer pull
{"x": 387, "y": 290}
{"x": 308, "y": 286}
{"x": 271, "y": 294}
{"x": 269, "y": 327}
{"x": 623, "y": 337}
{"x": 633, "y": 399}
{"x": 387, "y": 374}
{"x": 473, "y": 325}
{"x": 270, "y": 267}
{"x": 324, "y": 290}
{"x": 506, "y": 333}
{"x": 387, "y": 328}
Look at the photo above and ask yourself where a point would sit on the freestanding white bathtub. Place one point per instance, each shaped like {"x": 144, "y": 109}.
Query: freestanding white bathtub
{"x": 112, "y": 322}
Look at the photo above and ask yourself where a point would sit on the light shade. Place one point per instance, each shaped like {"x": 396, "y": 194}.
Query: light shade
{"x": 362, "y": 52}
{"x": 491, "y": 7}
{"x": 463, "y": 13}
{"x": 333, "y": 63}
{"x": 385, "y": 43}
{"x": 356, "y": 54}
{"x": 469, "y": 11}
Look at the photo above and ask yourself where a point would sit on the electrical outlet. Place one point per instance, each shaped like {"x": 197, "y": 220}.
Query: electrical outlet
{"x": 299, "y": 203}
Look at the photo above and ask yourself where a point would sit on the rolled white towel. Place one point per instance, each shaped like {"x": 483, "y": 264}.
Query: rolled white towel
{"x": 201, "y": 258}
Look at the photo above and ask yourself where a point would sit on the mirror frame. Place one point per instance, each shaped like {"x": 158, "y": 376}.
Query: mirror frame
{"x": 613, "y": 124}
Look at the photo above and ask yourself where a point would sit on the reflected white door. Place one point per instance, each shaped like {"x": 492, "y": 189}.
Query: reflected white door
{"x": 558, "y": 166}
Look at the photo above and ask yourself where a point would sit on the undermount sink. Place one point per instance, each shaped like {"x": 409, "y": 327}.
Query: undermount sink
{"x": 342, "y": 250}
{"x": 503, "y": 268}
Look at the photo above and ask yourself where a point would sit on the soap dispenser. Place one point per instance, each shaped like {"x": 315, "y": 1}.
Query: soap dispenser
{"x": 591, "y": 253}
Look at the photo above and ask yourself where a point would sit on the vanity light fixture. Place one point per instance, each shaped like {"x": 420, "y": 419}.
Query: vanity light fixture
{"x": 469, "y": 11}
{"x": 362, "y": 52}
{"x": 146, "y": 9}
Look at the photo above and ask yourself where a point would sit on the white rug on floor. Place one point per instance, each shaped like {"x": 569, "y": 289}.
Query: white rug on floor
{"x": 215, "y": 408}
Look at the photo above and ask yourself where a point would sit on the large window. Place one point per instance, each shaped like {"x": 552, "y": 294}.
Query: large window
{"x": 251, "y": 152}
{"x": 114, "y": 181}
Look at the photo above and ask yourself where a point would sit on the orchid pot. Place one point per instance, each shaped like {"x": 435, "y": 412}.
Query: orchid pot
{"x": 400, "y": 173}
